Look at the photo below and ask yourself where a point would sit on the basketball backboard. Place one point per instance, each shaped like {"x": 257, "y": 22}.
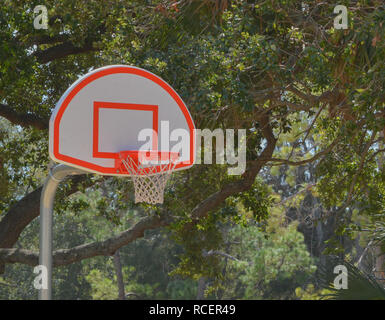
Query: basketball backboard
{"x": 116, "y": 109}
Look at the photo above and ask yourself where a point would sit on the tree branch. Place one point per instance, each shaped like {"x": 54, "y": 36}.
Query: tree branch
{"x": 248, "y": 178}
{"x": 101, "y": 248}
{"x": 46, "y": 39}
{"x": 63, "y": 50}
{"x": 28, "y": 208}
{"x": 219, "y": 253}
{"x": 302, "y": 162}
{"x": 24, "y": 120}
{"x": 21, "y": 215}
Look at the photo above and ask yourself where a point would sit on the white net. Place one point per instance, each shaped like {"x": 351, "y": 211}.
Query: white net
{"x": 149, "y": 181}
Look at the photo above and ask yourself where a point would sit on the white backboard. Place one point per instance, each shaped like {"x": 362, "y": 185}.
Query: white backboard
{"x": 119, "y": 108}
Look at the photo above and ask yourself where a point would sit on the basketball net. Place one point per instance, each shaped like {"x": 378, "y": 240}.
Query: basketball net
{"x": 149, "y": 181}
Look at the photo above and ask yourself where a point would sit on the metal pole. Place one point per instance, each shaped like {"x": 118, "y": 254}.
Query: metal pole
{"x": 57, "y": 174}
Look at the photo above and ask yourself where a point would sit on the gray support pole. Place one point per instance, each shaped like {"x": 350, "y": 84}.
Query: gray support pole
{"x": 57, "y": 174}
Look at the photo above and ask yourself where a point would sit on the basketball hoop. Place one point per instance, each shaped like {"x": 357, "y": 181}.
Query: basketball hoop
{"x": 150, "y": 172}
{"x": 106, "y": 110}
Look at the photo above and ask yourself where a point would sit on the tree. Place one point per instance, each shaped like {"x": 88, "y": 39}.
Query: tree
{"x": 270, "y": 67}
{"x": 269, "y": 264}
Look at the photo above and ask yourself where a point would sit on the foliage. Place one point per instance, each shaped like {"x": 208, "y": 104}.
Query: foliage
{"x": 310, "y": 97}
{"x": 361, "y": 286}
{"x": 102, "y": 288}
{"x": 270, "y": 264}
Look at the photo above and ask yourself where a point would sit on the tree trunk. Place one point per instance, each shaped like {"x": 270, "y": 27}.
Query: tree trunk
{"x": 378, "y": 250}
{"x": 380, "y": 264}
{"x": 201, "y": 288}
{"x": 119, "y": 275}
